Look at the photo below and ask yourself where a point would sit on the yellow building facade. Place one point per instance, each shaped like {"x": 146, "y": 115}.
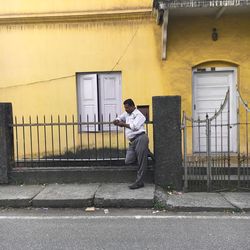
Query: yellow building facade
{"x": 45, "y": 46}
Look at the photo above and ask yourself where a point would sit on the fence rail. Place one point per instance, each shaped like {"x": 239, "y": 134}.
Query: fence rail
{"x": 66, "y": 141}
{"x": 216, "y": 150}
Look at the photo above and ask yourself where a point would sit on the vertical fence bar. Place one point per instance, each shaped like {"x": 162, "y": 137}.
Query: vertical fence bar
{"x": 24, "y": 146}
{"x": 196, "y": 165}
{"x": 52, "y": 137}
{"x": 31, "y": 145}
{"x": 247, "y": 146}
{"x": 124, "y": 142}
{"x": 220, "y": 150}
{"x": 88, "y": 135}
{"x": 211, "y": 155}
{"x": 223, "y": 173}
{"x": 208, "y": 135}
{"x": 17, "y": 154}
{"x": 59, "y": 137}
{"x": 38, "y": 138}
{"x": 96, "y": 156}
{"x": 216, "y": 148}
{"x": 228, "y": 140}
{"x": 238, "y": 146}
{"x": 45, "y": 139}
{"x": 66, "y": 137}
{"x": 244, "y": 165}
{"x": 80, "y": 132}
{"x": 117, "y": 142}
{"x": 74, "y": 142}
{"x": 102, "y": 128}
{"x": 185, "y": 153}
{"x": 192, "y": 165}
{"x": 110, "y": 142}
{"x": 199, "y": 153}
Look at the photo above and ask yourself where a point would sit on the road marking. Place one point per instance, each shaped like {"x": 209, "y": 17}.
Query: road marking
{"x": 137, "y": 217}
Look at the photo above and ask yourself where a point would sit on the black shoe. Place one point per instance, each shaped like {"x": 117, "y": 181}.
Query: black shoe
{"x": 136, "y": 185}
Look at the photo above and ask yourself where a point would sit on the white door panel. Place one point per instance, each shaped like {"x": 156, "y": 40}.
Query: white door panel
{"x": 88, "y": 100}
{"x": 209, "y": 91}
{"x": 110, "y": 97}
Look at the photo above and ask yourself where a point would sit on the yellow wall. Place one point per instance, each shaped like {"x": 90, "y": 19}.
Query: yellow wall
{"x": 31, "y": 54}
{"x": 34, "y": 53}
{"x": 190, "y": 44}
{"x": 19, "y": 7}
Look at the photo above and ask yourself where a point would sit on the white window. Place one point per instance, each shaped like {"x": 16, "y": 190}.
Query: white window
{"x": 99, "y": 98}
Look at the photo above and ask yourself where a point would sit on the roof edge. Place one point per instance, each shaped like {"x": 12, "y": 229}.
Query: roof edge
{"x": 73, "y": 16}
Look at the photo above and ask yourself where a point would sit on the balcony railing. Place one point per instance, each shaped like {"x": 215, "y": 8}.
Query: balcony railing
{"x": 199, "y": 3}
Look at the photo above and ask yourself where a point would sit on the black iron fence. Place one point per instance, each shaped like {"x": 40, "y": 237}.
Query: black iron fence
{"x": 43, "y": 142}
{"x": 216, "y": 150}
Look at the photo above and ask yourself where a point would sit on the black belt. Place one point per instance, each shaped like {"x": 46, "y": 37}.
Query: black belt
{"x": 136, "y": 136}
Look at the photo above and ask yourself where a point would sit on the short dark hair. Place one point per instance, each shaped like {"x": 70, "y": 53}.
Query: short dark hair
{"x": 129, "y": 102}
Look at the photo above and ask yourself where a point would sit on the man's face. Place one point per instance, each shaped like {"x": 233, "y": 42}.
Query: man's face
{"x": 129, "y": 109}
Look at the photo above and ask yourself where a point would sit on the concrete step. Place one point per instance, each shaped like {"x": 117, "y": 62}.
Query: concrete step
{"x": 18, "y": 196}
{"x": 77, "y": 195}
{"x": 71, "y": 195}
{"x": 69, "y": 174}
{"x": 119, "y": 195}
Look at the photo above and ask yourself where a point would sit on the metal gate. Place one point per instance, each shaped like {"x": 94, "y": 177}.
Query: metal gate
{"x": 210, "y": 160}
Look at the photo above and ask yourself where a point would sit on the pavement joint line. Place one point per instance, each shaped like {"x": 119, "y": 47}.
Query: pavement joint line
{"x": 136, "y": 217}
{"x": 237, "y": 208}
{"x": 93, "y": 200}
{"x": 32, "y": 198}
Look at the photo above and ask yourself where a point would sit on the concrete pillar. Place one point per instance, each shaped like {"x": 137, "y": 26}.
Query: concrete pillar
{"x": 167, "y": 141}
{"x": 6, "y": 141}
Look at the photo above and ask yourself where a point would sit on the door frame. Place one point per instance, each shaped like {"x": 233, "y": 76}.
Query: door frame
{"x": 233, "y": 93}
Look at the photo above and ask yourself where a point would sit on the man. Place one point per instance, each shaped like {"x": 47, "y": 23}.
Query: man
{"x": 133, "y": 122}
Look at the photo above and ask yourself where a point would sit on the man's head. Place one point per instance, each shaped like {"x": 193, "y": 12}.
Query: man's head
{"x": 129, "y": 105}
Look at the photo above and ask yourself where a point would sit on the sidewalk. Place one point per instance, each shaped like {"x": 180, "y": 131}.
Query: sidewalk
{"x": 119, "y": 195}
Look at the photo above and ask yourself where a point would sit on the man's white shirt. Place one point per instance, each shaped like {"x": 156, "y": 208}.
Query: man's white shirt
{"x": 136, "y": 122}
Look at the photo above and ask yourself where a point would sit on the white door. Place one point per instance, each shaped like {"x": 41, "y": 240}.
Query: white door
{"x": 88, "y": 100}
{"x": 110, "y": 97}
{"x": 209, "y": 91}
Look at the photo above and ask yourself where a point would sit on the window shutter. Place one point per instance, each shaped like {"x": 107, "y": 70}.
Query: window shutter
{"x": 110, "y": 97}
{"x": 88, "y": 100}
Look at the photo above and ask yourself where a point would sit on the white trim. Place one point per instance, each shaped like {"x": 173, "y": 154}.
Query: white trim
{"x": 133, "y": 217}
{"x": 165, "y": 34}
{"x": 220, "y": 12}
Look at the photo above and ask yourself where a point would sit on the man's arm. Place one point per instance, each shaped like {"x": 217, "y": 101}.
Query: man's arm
{"x": 135, "y": 125}
{"x": 120, "y": 120}
{"x": 121, "y": 124}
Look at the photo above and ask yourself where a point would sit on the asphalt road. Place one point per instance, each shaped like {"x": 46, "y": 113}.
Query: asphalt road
{"x": 122, "y": 229}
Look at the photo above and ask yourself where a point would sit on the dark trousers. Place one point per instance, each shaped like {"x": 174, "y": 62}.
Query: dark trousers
{"x": 138, "y": 152}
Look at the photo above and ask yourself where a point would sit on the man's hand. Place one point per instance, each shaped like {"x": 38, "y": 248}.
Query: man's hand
{"x": 116, "y": 122}
{"x": 120, "y": 124}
